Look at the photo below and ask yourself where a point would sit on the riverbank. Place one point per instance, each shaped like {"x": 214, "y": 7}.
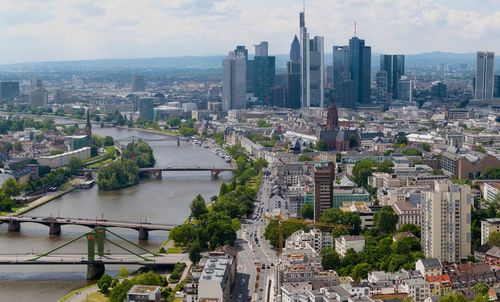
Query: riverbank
{"x": 64, "y": 189}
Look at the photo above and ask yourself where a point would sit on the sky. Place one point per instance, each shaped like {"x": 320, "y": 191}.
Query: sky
{"x": 59, "y": 30}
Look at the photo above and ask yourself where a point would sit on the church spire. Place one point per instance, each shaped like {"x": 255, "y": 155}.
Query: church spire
{"x": 88, "y": 126}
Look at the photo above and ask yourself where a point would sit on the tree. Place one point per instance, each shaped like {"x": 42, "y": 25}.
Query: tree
{"x": 406, "y": 245}
{"x": 353, "y": 141}
{"x": 75, "y": 165}
{"x": 124, "y": 273}
{"x": 259, "y": 164}
{"x": 337, "y": 216}
{"x": 426, "y": 147}
{"x": 183, "y": 234}
{"x": 412, "y": 152}
{"x": 305, "y": 157}
{"x": 198, "y": 207}
{"x": 385, "y": 220}
{"x": 494, "y": 239}
{"x": 338, "y": 157}
{"x": 223, "y": 189}
{"x": 263, "y": 123}
{"x": 412, "y": 228}
{"x": 307, "y": 211}
{"x": 491, "y": 173}
{"x": 322, "y": 145}
{"x": 401, "y": 140}
{"x": 108, "y": 141}
{"x": 360, "y": 271}
{"x": 119, "y": 292}
{"x": 481, "y": 288}
{"x": 195, "y": 252}
{"x": 362, "y": 170}
{"x": 330, "y": 260}
{"x": 453, "y": 297}
{"x": 174, "y": 121}
{"x": 11, "y": 187}
{"x": 104, "y": 283}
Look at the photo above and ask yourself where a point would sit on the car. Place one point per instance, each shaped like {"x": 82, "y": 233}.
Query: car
{"x": 263, "y": 266}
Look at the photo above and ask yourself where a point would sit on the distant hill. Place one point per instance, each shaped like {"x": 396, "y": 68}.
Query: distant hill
{"x": 215, "y": 62}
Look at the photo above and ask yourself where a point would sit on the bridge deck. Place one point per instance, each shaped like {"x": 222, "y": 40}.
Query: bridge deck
{"x": 89, "y": 222}
{"x": 81, "y": 259}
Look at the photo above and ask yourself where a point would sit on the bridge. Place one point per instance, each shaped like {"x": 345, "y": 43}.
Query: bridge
{"x": 157, "y": 171}
{"x": 96, "y": 260}
{"x": 137, "y": 138}
{"x": 55, "y": 223}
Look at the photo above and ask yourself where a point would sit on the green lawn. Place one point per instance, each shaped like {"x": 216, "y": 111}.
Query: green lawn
{"x": 174, "y": 250}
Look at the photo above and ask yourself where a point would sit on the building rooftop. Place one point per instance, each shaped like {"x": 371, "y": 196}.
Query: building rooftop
{"x": 431, "y": 263}
{"x": 144, "y": 290}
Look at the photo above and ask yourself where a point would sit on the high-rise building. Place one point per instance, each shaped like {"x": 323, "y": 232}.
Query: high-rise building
{"x": 446, "y": 221}
{"x": 243, "y": 51}
{"x": 394, "y": 66}
{"x": 381, "y": 83}
{"x": 36, "y": 83}
{"x": 39, "y": 97}
{"x": 317, "y": 71}
{"x": 340, "y": 64}
{"x": 305, "y": 93}
{"x": 146, "y": 109}
{"x": 484, "y": 75}
{"x": 496, "y": 93}
{"x": 9, "y": 91}
{"x": 312, "y": 61}
{"x": 293, "y": 77}
{"x": 324, "y": 175}
{"x": 138, "y": 84}
{"x": 261, "y": 50}
{"x": 405, "y": 89}
{"x": 360, "y": 68}
{"x": 234, "y": 80}
{"x": 438, "y": 89}
{"x": 264, "y": 72}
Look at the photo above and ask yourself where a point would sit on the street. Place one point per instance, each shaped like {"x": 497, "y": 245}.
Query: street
{"x": 256, "y": 259}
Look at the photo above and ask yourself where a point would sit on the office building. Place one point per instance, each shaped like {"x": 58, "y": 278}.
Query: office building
{"x": 360, "y": 69}
{"x": 138, "y": 84}
{"x": 405, "y": 89}
{"x": 323, "y": 187}
{"x": 317, "y": 71}
{"x": 484, "y": 75}
{"x": 293, "y": 77}
{"x": 36, "y": 83}
{"x": 340, "y": 64}
{"x": 394, "y": 66}
{"x": 217, "y": 277}
{"x": 446, "y": 221}
{"x": 38, "y": 97}
{"x": 305, "y": 93}
{"x": 381, "y": 85}
{"x": 488, "y": 227}
{"x": 146, "y": 109}
{"x": 438, "y": 89}
{"x": 61, "y": 160}
{"x": 264, "y": 70}
{"x": 496, "y": 93}
{"x": 9, "y": 91}
{"x": 234, "y": 80}
{"x": 241, "y": 50}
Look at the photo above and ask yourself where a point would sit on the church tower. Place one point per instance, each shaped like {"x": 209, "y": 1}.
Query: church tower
{"x": 332, "y": 117}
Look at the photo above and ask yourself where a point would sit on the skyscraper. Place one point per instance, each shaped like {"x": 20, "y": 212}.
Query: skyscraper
{"x": 234, "y": 81}
{"x": 264, "y": 72}
{"x": 305, "y": 78}
{"x": 293, "y": 77}
{"x": 312, "y": 61}
{"x": 484, "y": 75}
{"x": 242, "y": 50}
{"x": 324, "y": 173}
{"x": 9, "y": 91}
{"x": 146, "y": 109}
{"x": 261, "y": 50}
{"x": 360, "y": 68}
{"x": 394, "y": 66}
{"x": 405, "y": 89}
{"x": 317, "y": 73}
{"x": 381, "y": 83}
{"x": 446, "y": 221}
{"x": 496, "y": 93}
{"x": 138, "y": 84}
{"x": 340, "y": 64}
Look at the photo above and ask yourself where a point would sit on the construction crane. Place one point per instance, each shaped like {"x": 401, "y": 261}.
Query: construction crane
{"x": 299, "y": 221}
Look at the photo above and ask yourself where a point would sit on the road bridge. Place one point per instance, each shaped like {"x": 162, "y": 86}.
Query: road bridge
{"x": 96, "y": 258}
{"x": 157, "y": 171}
{"x": 55, "y": 223}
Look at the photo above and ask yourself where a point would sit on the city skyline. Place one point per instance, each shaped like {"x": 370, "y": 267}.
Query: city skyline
{"x": 185, "y": 27}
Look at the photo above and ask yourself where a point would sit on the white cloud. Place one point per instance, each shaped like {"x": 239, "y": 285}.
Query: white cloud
{"x": 79, "y": 29}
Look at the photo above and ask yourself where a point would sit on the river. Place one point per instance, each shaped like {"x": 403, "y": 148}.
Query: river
{"x": 163, "y": 201}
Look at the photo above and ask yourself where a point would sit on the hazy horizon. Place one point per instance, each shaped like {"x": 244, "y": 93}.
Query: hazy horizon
{"x": 56, "y": 30}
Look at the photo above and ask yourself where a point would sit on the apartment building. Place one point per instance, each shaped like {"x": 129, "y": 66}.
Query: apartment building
{"x": 446, "y": 221}
{"x": 344, "y": 243}
{"x": 489, "y": 226}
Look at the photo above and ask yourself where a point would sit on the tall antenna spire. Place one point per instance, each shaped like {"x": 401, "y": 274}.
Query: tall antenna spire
{"x": 355, "y": 28}
{"x": 304, "y": 6}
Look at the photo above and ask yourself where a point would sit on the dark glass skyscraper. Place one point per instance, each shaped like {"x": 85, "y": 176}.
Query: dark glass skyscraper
{"x": 292, "y": 85}
{"x": 9, "y": 91}
{"x": 360, "y": 68}
{"x": 394, "y": 66}
{"x": 264, "y": 72}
